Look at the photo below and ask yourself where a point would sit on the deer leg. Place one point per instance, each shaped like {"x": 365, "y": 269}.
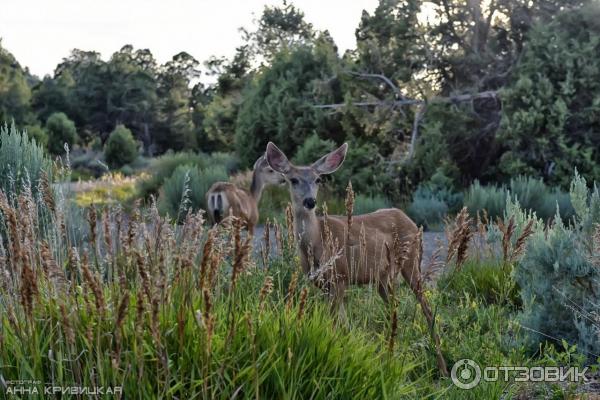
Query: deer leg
{"x": 385, "y": 289}
{"x": 336, "y": 292}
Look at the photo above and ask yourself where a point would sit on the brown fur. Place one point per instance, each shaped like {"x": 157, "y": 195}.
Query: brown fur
{"x": 380, "y": 244}
{"x": 358, "y": 264}
{"x": 241, "y": 204}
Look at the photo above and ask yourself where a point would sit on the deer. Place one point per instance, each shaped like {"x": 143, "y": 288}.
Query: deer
{"x": 368, "y": 240}
{"x": 224, "y": 199}
{"x": 361, "y": 251}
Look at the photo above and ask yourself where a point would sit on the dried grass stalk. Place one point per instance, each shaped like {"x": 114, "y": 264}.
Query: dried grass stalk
{"x": 521, "y": 242}
{"x": 459, "y": 236}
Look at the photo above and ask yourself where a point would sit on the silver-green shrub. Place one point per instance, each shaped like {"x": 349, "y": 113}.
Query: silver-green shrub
{"x": 186, "y": 189}
{"x": 365, "y": 204}
{"x": 22, "y": 161}
{"x": 560, "y": 285}
{"x": 531, "y": 193}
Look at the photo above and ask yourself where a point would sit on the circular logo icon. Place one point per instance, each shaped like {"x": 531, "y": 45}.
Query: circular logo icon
{"x": 465, "y": 374}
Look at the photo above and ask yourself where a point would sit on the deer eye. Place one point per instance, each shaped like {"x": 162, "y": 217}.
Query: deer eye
{"x": 318, "y": 181}
{"x": 294, "y": 181}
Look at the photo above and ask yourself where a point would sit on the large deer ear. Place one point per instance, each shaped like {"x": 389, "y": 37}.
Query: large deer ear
{"x": 332, "y": 161}
{"x": 276, "y": 159}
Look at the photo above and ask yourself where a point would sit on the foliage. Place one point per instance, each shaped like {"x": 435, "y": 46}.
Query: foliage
{"x": 86, "y": 161}
{"x": 37, "y": 133}
{"x": 61, "y": 130}
{"x": 229, "y": 161}
{"x": 120, "y": 148}
{"x": 434, "y": 200}
{"x": 279, "y": 28}
{"x": 15, "y": 90}
{"x": 164, "y": 166}
{"x": 427, "y": 210}
{"x": 112, "y": 188}
{"x": 538, "y": 57}
{"x": 175, "y": 123}
{"x": 548, "y": 125}
{"x": 489, "y": 281}
{"x": 532, "y": 194}
{"x": 312, "y": 148}
{"x": 559, "y": 282}
{"x": 364, "y": 168}
{"x": 186, "y": 189}
{"x": 366, "y": 204}
{"x": 276, "y": 104}
{"x": 21, "y": 161}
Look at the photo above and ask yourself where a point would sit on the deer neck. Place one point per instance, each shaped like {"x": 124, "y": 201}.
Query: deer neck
{"x": 308, "y": 231}
{"x": 256, "y": 188}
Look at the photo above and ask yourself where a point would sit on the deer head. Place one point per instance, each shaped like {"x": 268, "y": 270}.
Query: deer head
{"x": 265, "y": 175}
{"x": 304, "y": 180}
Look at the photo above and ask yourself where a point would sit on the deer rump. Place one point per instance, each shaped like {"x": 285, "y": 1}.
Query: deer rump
{"x": 363, "y": 257}
{"x": 225, "y": 199}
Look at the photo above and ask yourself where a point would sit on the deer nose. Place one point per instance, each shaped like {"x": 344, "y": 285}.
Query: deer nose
{"x": 309, "y": 203}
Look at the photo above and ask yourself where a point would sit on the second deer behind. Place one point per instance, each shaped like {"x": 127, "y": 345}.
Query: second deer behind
{"x": 224, "y": 199}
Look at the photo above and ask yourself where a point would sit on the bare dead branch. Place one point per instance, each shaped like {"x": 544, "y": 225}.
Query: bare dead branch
{"x": 382, "y": 77}
{"x": 489, "y": 94}
{"x": 415, "y": 130}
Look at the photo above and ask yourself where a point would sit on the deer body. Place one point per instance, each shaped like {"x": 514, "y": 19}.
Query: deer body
{"x": 225, "y": 199}
{"x": 364, "y": 254}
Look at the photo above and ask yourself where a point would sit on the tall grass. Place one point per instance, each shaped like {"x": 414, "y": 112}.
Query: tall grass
{"x": 169, "y": 310}
{"x": 174, "y": 311}
{"x": 22, "y": 161}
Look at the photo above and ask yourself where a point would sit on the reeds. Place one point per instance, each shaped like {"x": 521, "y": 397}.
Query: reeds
{"x": 459, "y": 234}
{"x": 136, "y": 332}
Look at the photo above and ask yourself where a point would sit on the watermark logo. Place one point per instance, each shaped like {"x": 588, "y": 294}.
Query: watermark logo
{"x": 36, "y": 387}
{"x": 466, "y": 374}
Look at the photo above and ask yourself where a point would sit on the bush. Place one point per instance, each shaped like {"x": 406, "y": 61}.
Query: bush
{"x": 164, "y": 166}
{"x": 427, "y": 210}
{"x": 366, "y": 204}
{"x": 492, "y": 199}
{"x": 364, "y": 168}
{"x": 88, "y": 162}
{"x": 313, "y": 148}
{"x": 560, "y": 285}
{"x": 278, "y": 104}
{"x": 434, "y": 200}
{"x": 531, "y": 193}
{"x": 120, "y": 148}
{"x": 488, "y": 281}
{"x": 556, "y": 198}
{"x": 60, "y": 130}
{"x": 229, "y": 161}
{"x": 38, "y": 133}
{"x": 186, "y": 189}
{"x": 21, "y": 161}
{"x": 547, "y": 128}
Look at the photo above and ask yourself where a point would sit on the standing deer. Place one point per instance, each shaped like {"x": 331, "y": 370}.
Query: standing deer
{"x": 359, "y": 255}
{"x": 224, "y": 199}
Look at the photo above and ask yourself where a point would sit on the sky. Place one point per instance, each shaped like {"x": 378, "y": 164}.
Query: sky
{"x": 40, "y": 33}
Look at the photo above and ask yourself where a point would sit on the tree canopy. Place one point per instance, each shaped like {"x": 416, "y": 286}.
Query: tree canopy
{"x": 406, "y": 97}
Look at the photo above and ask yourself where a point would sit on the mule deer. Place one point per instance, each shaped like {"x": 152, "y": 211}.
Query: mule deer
{"x": 342, "y": 255}
{"x": 224, "y": 199}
